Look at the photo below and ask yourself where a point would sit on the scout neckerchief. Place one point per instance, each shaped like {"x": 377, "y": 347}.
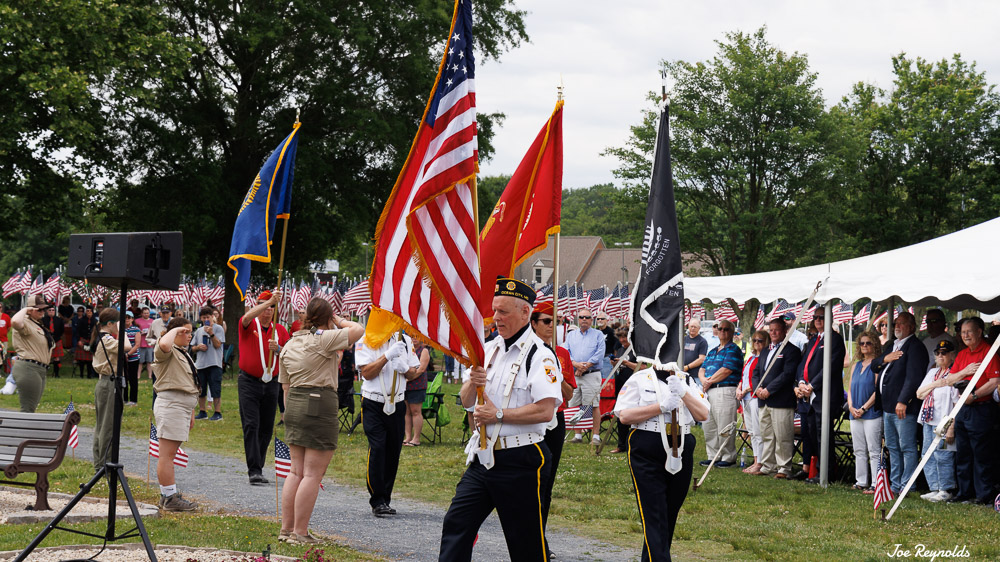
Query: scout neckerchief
{"x": 673, "y": 464}
{"x": 268, "y": 369}
{"x": 190, "y": 362}
{"x": 486, "y": 455}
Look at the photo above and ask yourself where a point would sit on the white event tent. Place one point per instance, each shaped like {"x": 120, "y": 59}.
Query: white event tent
{"x": 956, "y": 271}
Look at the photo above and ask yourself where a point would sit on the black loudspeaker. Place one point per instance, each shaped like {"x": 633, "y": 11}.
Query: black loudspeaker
{"x": 143, "y": 260}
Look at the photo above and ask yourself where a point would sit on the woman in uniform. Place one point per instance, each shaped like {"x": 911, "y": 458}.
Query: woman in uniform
{"x": 661, "y": 480}
{"x": 33, "y": 344}
{"x": 176, "y": 389}
{"x": 105, "y": 346}
{"x": 308, "y": 376}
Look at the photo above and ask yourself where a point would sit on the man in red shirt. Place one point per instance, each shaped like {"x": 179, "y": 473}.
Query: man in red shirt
{"x": 4, "y": 327}
{"x": 976, "y": 462}
{"x": 258, "y": 385}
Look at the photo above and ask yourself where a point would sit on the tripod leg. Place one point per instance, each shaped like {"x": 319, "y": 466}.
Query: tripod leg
{"x": 84, "y": 490}
{"x": 135, "y": 514}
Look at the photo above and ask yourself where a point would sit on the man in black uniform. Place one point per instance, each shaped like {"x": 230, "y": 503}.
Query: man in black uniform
{"x": 522, "y": 383}
{"x": 809, "y": 391}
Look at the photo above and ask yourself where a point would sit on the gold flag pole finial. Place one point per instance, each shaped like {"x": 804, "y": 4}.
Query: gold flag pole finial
{"x": 298, "y": 111}
{"x": 560, "y": 89}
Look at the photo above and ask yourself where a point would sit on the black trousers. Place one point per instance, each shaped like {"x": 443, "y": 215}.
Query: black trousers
{"x": 131, "y": 393}
{"x": 554, "y": 438}
{"x": 258, "y": 402}
{"x": 812, "y": 440}
{"x": 976, "y": 435}
{"x": 659, "y": 494}
{"x": 385, "y": 442}
{"x": 512, "y": 487}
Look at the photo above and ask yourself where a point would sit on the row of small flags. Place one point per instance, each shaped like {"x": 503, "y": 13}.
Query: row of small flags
{"x": 193, "y": 293}
{"x": 843, "y": 313}
{"x": 573, "y": 298}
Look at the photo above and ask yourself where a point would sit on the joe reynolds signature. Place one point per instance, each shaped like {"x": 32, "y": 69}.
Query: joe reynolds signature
{"x": 921, "y": 551}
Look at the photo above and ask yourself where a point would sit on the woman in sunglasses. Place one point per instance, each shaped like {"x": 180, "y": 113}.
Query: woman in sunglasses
{"x": 744, "y": 393}
{"x": 866, "y": 416}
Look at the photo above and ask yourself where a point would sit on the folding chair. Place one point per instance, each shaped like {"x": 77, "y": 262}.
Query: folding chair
{"x": 431, "y": 410}
{"x": 345, "y": 398}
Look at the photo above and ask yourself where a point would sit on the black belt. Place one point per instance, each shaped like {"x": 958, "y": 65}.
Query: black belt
{"x": 33, "y": 361}
{"x": 724, "y": 384}
{"x": 593, "y": 371}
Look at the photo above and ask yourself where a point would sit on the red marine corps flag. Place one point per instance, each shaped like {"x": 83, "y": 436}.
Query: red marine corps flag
{"x": 426, "y": 269}
{"x": 528, "y": 210}
{"x": 658, "y": 298}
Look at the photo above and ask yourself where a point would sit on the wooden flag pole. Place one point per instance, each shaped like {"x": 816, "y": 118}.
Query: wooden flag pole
{"x": 480, "y": 391}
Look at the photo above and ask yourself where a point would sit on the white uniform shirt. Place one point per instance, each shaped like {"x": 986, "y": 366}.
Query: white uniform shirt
{"x": 373, "y": 389}
{"x": 543, "y": 381}
{"x": 640, "y": 390}
{"x": 798, "y": 339}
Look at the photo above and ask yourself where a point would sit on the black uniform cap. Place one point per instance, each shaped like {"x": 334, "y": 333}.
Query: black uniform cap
{"x": 513, "y": 288}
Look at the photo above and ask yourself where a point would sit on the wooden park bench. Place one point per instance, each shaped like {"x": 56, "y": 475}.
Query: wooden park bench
{"x": 34, "y": 443}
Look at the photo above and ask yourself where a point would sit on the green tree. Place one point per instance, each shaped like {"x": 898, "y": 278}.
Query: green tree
{"x": 749, "y": 145}
{"x": 926, "y": 153}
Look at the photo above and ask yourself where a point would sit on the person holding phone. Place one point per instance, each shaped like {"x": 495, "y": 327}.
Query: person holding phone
{"x": 207, "y": 343}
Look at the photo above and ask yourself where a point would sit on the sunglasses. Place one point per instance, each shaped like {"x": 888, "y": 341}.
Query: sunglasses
{"x": 758, "y": 341}
{"x": 545, "y": 321}
{"x": 584, "y": 317}
{"x": 725, "y": 329}
{"x": 865, "y": 343}
{"x": 941, "y": 352}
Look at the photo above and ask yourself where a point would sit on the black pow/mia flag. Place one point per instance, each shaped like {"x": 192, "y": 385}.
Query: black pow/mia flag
{"x": 658, "y": 298}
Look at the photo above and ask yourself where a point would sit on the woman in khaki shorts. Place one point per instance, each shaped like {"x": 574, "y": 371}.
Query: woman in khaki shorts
{"x": 308, "y": 376}
{"x": 33, "y": 345}
{"x": 176, "y": 399}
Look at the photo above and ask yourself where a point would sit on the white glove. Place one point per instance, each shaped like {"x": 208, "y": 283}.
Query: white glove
{"x": 677, "y": 386}
{"x": 670, "y": 402}
{"x": 395, "y": 351}
{"x": 672, "y": 366}
{"x": 399, "y": 365}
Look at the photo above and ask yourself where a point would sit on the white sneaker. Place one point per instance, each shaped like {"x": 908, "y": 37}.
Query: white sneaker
{"x": 930, "y": 495}
{"x": 943, "y": 495}
{"x": 8, "y": 388}
{"x": 577, "y": 439}
{"x": 596, "y": 440}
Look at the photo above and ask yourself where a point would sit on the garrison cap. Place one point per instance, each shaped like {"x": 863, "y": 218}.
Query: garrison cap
{"x": 513, "y": 288}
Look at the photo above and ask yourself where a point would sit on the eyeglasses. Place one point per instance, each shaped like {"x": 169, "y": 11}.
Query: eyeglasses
{"x": 545, "y": 321}
{"x": 584, "y": 317}
{"x": 758, "y": 341}
{"x": 865, "y": 343}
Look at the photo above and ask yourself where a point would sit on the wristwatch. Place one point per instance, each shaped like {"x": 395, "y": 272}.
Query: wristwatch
{"x": 500, "y": 414}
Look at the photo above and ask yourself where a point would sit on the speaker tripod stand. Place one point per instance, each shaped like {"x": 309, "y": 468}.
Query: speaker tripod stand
{"x": 112, "y": 469}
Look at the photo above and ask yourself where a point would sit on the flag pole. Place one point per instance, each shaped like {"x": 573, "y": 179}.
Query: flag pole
{"x": 555, "y": 291}
{"x": 480, "y": 391}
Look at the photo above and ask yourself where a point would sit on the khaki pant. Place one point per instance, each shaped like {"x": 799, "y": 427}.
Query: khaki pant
{"x": 30, "y": 380}
{"x": 723, "y": 412}
{"x": 104, "y": 404}
{"x": 777, "y": 430}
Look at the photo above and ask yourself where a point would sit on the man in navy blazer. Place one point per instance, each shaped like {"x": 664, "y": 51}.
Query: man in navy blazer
{"x": 809, "y": 391}
{"x": 900, "y": 370}
{"x": 777, "y": 402}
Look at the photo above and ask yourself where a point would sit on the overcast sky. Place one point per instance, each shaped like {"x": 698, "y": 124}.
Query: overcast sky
{"x": 607, "y": 54}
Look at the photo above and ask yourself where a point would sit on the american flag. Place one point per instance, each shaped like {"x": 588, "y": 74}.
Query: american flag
{"x": 808, "y": 315}
{"x": 282, "y": 459}
{"x": 544, "y": 294}
{"x": 880, "y": 317}
{"x": 357, "y": 299}
{"x": 726, "y": 312}
{"x": 574, "y": 299}
{"x": 12, "y": 285}
{"x": 337, "y": 301}
{"x": 426, "y": 268}
{"x": 760, "y": 321}
{"x": 697, "y": 311}
{"x": 612, "y": 304}
{"x": 74, "y": 437}
{"x": 595, "y": 298}
{"x": 882, "y": 491}
{"x": 217, "y": 294}
{"x": 301, "y": 296}
{"x": 864, "y": 314}
{"x": 180, "y": 459}
{"x": 843, "y": 313}
{"x": 562, "y": 298}
{"x": 923, "y": 323}
{"x": 623, "y": 303}
{"x": 52, "y": 287}
{"x": 36, "y": 285}
{"x": 584, "y": 423}
{"x": 779, "y": 309}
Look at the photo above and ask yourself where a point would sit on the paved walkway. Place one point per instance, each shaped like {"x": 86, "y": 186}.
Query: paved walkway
{"x": 343, "y": 511}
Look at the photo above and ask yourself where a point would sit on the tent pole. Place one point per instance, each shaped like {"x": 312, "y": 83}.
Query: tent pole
{"x": 828, "y": 369}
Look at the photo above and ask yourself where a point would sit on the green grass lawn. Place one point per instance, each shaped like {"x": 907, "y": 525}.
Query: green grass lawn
{"x": 733, "y": 515}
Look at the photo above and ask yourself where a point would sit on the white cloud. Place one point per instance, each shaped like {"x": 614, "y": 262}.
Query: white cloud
{"x": 607, "y": 55}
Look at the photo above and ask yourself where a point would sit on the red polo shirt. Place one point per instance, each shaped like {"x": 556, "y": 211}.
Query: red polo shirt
{"x": 251, "y": 348}
{"x": 968, "y": 356}
{"x": 4, "y": 326}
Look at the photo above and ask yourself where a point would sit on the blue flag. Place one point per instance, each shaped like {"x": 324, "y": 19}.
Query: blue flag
{"x": 269, "y": 198}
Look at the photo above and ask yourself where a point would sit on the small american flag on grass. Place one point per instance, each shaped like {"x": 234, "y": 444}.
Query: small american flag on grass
{"x": 282, "y": 459}
{"x": 882, "y": 491}
{"x": 180, "y": 459}
{"x": 74, "y": 437}
{"x": 584, "y": 423}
